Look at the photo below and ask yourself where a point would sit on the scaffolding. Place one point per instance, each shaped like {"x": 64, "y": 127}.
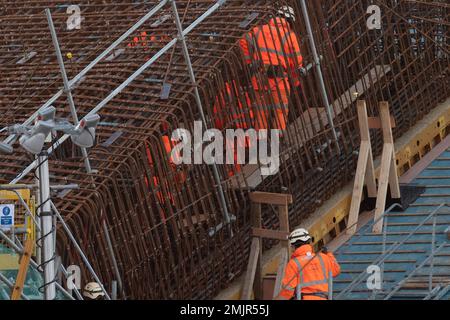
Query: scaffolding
{"x": 145, "y": 227}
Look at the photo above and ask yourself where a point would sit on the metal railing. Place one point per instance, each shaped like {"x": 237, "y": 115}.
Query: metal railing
{"x": 392, "y": 249}
{"x": 18, "y": 248}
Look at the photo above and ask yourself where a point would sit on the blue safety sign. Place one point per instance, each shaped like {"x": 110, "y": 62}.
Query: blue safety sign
{"x": 6, "y": 216}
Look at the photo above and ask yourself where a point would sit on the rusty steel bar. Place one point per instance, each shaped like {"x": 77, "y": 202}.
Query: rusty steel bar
{"x": 159, "y": 215}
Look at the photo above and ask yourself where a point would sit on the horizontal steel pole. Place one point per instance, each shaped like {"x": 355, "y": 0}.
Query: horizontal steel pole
{"x": 124, "y": 84}
{"x": 79, "y": 76}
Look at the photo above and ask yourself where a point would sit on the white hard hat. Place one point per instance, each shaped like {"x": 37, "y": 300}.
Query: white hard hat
{"x": 288, "y": 12}
{"x": 299, "y": 234}
{"x": 93, "y": 290}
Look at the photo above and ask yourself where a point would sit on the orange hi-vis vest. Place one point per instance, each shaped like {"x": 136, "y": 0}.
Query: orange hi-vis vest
{"x": 229, "y": 109}
{"x": 307, "y": 274}
{"x": 273, "y": 44}
{"x": 180, "y": 177}
{"x": 144, "y": 40}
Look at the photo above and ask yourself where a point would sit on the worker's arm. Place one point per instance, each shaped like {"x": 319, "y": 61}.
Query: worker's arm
{"x": 289, "y": 283}
{"x": 292, "y": 47}
{"x": 334, "y": 265}
{"x": 295, "y": 58}
{"x": 245, "y": 44}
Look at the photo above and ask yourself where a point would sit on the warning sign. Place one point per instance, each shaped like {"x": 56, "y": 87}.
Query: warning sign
{"x": 6, "y": 216}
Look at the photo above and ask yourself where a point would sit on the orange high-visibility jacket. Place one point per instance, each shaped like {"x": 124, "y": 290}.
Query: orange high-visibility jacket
{"x": 144, "y": 40}
{"x": 274, "y": 44}
{"x": 230, "y": 109}
{"x": 179, "y": 177}
{"x": 312, "y": 277}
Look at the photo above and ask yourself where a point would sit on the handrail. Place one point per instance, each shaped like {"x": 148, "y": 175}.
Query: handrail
{"x": 385, "y": 214}
{"x": 399, "y": 285}
{"x": 389, "y": 252}
{"x": 442, "y": 293}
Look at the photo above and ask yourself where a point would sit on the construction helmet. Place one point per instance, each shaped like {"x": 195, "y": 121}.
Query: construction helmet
{"x": 288, "y": 12}
{"x": 299, "y": 234}
{"x": 93, "y": 291}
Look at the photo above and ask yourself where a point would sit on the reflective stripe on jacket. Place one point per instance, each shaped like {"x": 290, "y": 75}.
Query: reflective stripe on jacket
{"x": 273, "y": 44}
{"x": 309, "y": 274}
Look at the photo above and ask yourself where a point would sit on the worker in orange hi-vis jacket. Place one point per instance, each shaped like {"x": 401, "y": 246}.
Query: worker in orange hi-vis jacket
{"x": 272, "y": 52}
{"x": 232, "y": 110}
{"x": 307, "y": 274}
{"x": 162, "y": 184}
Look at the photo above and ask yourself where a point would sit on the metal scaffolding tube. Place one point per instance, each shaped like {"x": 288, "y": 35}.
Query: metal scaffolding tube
{"x": 198, "y": 100}
{"x": 47, "y": 228}
{"x": 67, "y": 90}
{"x": 119, "y": 89}
{"x": 93, "y": 63}
{"x": 323, "y": 89}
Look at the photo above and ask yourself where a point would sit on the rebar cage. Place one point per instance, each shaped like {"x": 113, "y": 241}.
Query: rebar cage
{"x": 163, "y": 218}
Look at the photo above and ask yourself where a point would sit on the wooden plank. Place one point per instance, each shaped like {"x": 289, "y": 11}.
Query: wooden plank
{"x": 270, "y": 234}
{"x": 251, "y": 270}
{"x": 283, "y": 215}
{"x": 23, "y": 269}
{"x": 386, "y": 122}
{"x": 383, "y": 182}
{"x": 358, "y": 187}
{"x": 388, "y": 137}
{"x": 284, "y": 258}
{"x": 375, "y": 122}
{"x": 257, "y": 223}
{"x": 369, "y": 175}
{"x": 271, "y": 198}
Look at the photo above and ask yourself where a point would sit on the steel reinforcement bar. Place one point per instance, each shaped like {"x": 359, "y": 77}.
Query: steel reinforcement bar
{"x": 159, "y": 215}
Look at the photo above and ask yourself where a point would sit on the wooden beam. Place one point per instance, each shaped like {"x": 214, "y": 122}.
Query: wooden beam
{"x": 23, "y": 269}
{"x": 258, "y": 280}
{"x": 280, "y": 272}
{"x": 283, "y": 215}
{"x": 271, "y": 198}
{"x": 375, "y": 122}
{"x": 358, "y": 187}
{"x": 383, "y": 182}
{"x": 251, "y": 270}
{"x": 388, "y": 137}
{"x": 270, "y": 234}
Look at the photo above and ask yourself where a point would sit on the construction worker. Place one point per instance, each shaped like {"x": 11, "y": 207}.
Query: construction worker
{"x": 93, "y": 291}
{"x": 307, "y": 274}
{"x": 272, "y": 52}
{"x": 232, "y": 110}
{"x": 179, "y": 177}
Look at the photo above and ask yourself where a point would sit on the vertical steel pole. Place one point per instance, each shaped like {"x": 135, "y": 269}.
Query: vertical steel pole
{"x": 67, "y": 90}
{"x": 114, "y": 290}
{"x": 317, "y": 63}
{"x": 46, "y": 228}
{"x": 187, "y": 57}
{"x": 433, "y": 249}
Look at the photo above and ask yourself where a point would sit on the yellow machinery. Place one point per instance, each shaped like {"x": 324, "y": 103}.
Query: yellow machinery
{"x": 23, "y": 226}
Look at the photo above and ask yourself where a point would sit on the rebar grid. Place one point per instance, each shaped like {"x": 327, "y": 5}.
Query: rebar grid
{"x": 160, "y": 215}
